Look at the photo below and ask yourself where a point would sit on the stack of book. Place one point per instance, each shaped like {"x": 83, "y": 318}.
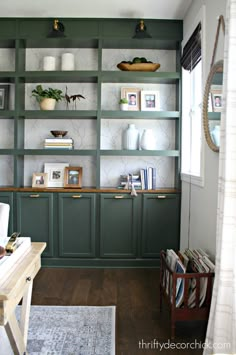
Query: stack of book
{"x": 193, "y": 261}
{"x": 148, "y": 178}
{"x": 58, "y": 143}
{"x": 126, "y": 181}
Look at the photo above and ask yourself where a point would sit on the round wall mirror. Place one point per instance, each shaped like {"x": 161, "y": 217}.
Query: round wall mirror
{"x": 212, "y": 106}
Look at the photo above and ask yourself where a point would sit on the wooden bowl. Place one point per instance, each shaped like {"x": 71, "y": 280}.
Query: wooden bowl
{"x": 2, "y": 252}
{"x": 138, "y": 66}
{"x": 59, "y": 134}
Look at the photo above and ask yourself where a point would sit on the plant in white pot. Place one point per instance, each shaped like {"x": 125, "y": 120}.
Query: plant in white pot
{"x": 47, "y": 98}
{"x": 123, "y": 104}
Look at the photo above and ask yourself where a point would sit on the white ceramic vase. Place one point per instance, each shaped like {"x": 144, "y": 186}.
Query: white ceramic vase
{"x": 131, "y": 138}
{"x": 216, "y": 135}
{"x": 47, "y": 104}
{"x": 147, "y": 140}
{"x": 67, "y": 61}
{"x": 49, "y": 63}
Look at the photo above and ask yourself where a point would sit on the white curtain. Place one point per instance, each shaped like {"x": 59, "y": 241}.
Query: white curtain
{"x": 221, "y": 332}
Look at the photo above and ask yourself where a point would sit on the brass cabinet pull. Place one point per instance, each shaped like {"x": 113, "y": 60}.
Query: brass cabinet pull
{"x": 119, "y": 196}
{"x": 35, "y": 196}
{"x": 76, "y": 196}
{"x": 161, "y": 196}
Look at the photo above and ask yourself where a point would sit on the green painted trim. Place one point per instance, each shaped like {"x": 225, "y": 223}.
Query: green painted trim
{"x": 88, "y": 152}
{"x": 89, "y": 76}
{"x": 59, "y": 114}
{"x": 214, "y": 116}
{"x": 136, "y": 77}
{"x": 141, "y": 114}
{"x": 166, "y": 153}
{"x": 7, "y": 114}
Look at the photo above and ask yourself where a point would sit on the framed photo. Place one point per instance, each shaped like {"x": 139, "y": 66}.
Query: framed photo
{"x": 150, "y": 100}
{"x": 216, "y": 98}
{"x": 40, "y": 180}
{"x": 133, "y": 97}
{"x": 4, "y": 97}
{"x": 55, "y": 173}
{"x": 73, "y": 177}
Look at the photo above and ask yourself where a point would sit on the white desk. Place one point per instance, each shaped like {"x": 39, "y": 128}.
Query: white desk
{"x": 17, "y": 286}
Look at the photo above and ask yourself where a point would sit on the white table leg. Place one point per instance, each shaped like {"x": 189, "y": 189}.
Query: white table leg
{"x": 15, "y": 336}
{"x": 25, "y": 310}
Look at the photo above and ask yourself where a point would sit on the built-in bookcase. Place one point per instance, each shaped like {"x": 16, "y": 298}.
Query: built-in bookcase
{"x": 96, "y": 124}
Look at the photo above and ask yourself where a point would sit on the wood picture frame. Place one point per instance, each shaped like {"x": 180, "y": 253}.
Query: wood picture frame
{"x": 4, "y": 97}
{"x": 133, "y": 97}
{"x": 216, "y": 98}
{"x": 150, "y": 100}
{"x": 55, "y": 173}
{"x": 40, "y": 180}
{"x": 73, "y": 177}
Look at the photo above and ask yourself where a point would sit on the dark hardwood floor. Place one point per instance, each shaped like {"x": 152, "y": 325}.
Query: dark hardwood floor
{"x": 135, "y": 293}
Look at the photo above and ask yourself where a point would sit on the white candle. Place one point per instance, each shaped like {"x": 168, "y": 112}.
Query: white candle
{"x": 49, "y": 63}
{"x": 67, "y": 61}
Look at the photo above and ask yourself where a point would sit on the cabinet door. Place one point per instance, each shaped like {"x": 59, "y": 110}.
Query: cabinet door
{"x": 35, "y": 218}
{"x": 77, "y": 223}
{"x": 7, "y": 197}
{"x": 118, "y": 225}
{"x": 160, "y": 223}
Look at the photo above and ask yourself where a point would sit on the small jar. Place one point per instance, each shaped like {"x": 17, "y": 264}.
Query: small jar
{"x": 49, "y": 63}
{"x": 67, "y": 61}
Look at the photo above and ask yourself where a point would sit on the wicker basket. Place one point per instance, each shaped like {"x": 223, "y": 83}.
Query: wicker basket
{"x": 138, "y": 66}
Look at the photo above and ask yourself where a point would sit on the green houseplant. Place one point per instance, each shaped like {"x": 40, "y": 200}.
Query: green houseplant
{"x": 123, "y": 104}
{"x": 47, "y": 98}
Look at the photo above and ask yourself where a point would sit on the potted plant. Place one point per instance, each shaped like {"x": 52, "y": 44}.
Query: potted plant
{"x": 123, "y": 104}
{"x": 47, "y": 98}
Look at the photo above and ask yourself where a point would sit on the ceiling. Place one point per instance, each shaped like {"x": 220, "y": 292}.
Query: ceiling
{"x": 160, "y": 9}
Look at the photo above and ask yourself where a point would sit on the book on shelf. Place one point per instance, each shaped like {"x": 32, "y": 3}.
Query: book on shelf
{"x": 58, "y": 140}
{"x": 148, "y": 178}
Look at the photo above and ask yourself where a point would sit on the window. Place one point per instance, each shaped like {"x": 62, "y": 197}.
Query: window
{"x": 191, "y": 61}
{"x": 191, "y": 121}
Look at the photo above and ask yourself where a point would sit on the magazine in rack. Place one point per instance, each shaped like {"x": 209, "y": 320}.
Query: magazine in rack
{"x": 194, "y": 261}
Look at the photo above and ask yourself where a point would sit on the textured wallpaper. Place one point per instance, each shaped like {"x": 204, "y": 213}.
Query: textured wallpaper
{"x": 84, "y": 131}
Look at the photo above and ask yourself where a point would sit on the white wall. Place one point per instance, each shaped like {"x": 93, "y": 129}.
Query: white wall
{"x": 199, "y": 204}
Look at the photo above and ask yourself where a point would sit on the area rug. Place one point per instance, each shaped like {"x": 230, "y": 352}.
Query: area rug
{"x": 71, "y": 330}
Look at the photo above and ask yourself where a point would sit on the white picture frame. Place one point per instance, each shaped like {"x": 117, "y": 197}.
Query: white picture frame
{"x": 150, "y": 100}
{"x": 55, "y": 173}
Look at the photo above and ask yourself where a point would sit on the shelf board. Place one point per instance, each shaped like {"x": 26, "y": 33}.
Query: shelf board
{"x": 214, "y": 116}
{"x": 7, "y": 114}
{"x": 59, "y": 114}
{"x": 7, "y": 151}
{"x": 133, "y": 43}
{"x": 167, "y": 153}
{"x": 86, "y": 42}
{"x": 85, "y": 76}
{"x": 141, "y": 114}
{"x": 138, "y": 76}
{"x": 78, "y": 152}
{"x": 7, "y": 43}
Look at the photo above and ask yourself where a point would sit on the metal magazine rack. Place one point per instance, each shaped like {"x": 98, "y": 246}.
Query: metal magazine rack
{"x": 188, "y": 295}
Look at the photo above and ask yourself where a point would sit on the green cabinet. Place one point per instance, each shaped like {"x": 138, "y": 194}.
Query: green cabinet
{"x": 77, "y": 224}
{"x": 7, "y": 197}
{"x": 118, "y": 226}
{"x": 35, "y": 218}
{"x": 160, "y": 223}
